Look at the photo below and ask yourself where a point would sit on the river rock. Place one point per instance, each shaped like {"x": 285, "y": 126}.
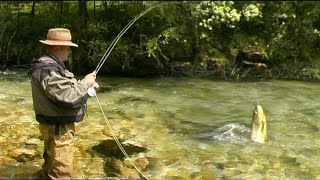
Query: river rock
{"x": 177, "y": 174}
{"x": 116, "y": 164}
{"x": 207, "y": 171}
{"x": 23, "y": 155}
{"x": 130, "y": 173}
{"x": 116, "y": 167}
{"x": 110, "y": 148}
{"x": 33, "y": 141}
{"x": 140, "y": 162}
{"x": 252, "y": 56}
{"x": 105, "y": 88}
{"x": 131, "y": 98}
{"x": 133, "y": 116}
{"x": 19, "y": 100}
{"x": 2, "y": 139}
{"x": 181, "y": 66}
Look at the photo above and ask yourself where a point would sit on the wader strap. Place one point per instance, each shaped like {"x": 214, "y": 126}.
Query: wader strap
{"x": 57, "y": 129}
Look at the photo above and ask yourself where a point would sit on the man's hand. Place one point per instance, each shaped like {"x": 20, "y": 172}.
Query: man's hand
{"x": 91, "y": 78}
{"x": 95, "y": 85}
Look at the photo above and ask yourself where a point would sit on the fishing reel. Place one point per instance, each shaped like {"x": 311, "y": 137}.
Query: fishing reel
{"x": 91, "y": 92}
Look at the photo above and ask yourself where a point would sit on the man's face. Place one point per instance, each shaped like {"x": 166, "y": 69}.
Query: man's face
{"x": 64, "y": 52}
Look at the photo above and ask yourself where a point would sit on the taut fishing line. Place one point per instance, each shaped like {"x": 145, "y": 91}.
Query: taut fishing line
{"x": 92, "y": 91}
{"x": 117, "y": 140}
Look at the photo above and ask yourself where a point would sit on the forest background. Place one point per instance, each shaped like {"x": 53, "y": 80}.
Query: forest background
{"x": 217, "y": 39}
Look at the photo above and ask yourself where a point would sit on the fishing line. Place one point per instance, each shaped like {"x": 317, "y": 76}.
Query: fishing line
{"x": 92, "y": 92}
{"x": 117, "y": 140}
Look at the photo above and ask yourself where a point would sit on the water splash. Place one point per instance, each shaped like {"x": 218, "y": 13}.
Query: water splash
{"x": 8, "y": 72}
{"x": 233, "y": 132}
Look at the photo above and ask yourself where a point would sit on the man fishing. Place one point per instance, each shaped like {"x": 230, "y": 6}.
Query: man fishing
{"x": 59, "y": 100}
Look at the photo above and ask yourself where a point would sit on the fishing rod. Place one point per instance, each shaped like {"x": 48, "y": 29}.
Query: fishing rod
{"x": 91, "y": 91}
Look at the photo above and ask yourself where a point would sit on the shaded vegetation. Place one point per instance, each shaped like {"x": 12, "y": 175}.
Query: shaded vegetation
{"x": 202, "y": 38}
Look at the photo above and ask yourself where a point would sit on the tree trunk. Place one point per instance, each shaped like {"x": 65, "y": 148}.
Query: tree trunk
{"x": 18, "y": 23}
{"x": 106, "y": 7}
{"x": 61, "y": 10}
{"x": 83, "y": 11}
{"x": 94, "y": 10}
{"x": 32, "y": 12}
{"x": 298, "y": 31}
{"x": 192, "y": 22}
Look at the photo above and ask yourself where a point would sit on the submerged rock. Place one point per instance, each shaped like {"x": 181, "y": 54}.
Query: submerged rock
{"x": 105, "y": 88}
{"x": 110, "y": 148}
{"x": 207, "y": 171}
{"x": 140, "y": 162}
{"x": 131, "y": 98}
{"x": 20, "y": 100}
{"x": 133, "y": 116}
{"x": 125, "y": 168}
{"x": 117, "y": 165}
{"x": 2, "y": 139}
{"x": 33, "y": 141}
{"x": 24, "y": 155}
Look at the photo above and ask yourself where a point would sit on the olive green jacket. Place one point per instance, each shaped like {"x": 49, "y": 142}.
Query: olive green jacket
{"x": 57, "y": 96}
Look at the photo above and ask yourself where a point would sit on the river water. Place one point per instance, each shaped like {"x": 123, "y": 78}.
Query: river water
{"x": 193, "y": 128}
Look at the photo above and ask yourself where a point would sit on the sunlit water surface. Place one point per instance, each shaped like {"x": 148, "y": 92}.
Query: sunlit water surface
{"x": 193, "y": 128}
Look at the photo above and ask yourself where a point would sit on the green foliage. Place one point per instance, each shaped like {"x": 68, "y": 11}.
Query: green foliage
{"x": 311, "y": 73}
{"x": 155, "y": 45}
{"x": 220, "y": 23}
{"x": 214, "y": 13}
{"x": 95, "y": 51}
{"x": 288, "y": 31}
{"x": 251, "y": 11}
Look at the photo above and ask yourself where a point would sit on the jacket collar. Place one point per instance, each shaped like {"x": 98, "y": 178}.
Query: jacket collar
{"x": 57, "y": 60}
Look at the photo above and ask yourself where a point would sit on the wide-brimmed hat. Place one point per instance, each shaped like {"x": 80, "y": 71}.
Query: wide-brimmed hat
{"x": 59, "y": 37}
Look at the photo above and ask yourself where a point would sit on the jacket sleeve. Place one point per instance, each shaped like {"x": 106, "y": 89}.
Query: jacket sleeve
{"x": 66, "y": 91}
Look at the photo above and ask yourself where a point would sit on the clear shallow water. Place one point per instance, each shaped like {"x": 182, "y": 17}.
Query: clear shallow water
{"x": 193, "y": 128}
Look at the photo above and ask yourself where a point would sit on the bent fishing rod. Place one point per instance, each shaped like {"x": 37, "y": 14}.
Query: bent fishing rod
{"x": 91, "y": 90}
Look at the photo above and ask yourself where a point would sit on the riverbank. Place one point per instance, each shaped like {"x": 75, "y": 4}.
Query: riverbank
{"x": 228, "y": 72}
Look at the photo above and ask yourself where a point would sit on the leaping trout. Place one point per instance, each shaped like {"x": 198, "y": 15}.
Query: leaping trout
{"x": 258, "y": 125}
